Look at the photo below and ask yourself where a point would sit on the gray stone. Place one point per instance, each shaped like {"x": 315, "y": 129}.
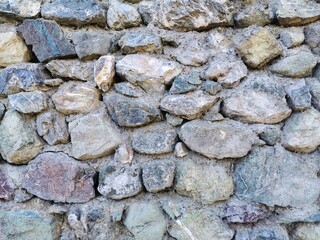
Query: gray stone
{"x": 57, "y": 177}
{"x": 55, "y": 82}
{"x": 147, "y": 11}
{"x": 274, "y": 176}
{"x": 180, "y": 150}
{"x": 259, "y": 48}
{"x": 121, "y": 16}
{"x": 93, "y": 136}
{"x": 124, "y": 153}
{"x": 314, "y": 87}
{"x": 190, "y": 55}
{"x": 193, "y": 16}
{"x": 158, "y": 175}
{"x": 222, "y": 139}
{"x": 206, "y": 183}
{"x": 71, "y": 69}
{"x": 301, "y": 131}
{"x": 74, "y": 12}
{"x": 74, "y": 97}
{"x": 211, "y": 87}
{"x": 29, "y": 102}
{"x": 292, "y": 37}
{"x": 312, "y": 37}
{"x": 173, "y": 120}
{"x": 262, "y": 232}
{"x": 128, "y": 112}
{"x": 306, "y": 231}
{"x": 28, "y": 224}
{"x": 252, "y": 15}
{"x": 17, "y": 8}
{"x": 213, "y": 114}
{"x": 7, "y": 188}
{"x": 145, "y": 220}
{"x": 2, "y": 110}
{"x": 299, "y": 97}
{"x": 270, "y": 134}
{"x": 188, "y": 106}
{"x": 181, "y": 84}
{"x": 295, "y": 66}
{"x": 52, "y": 127}
{"x": 104, "y": 71}
{"x": 47, "y": 39}
{"x": 118, "y": 181}
{"x": 140, "y": 42}
{"x": 19, "y": 142}
{"x": 129, "y": 89}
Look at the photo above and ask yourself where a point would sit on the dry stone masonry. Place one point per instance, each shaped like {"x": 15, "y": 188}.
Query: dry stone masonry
{"x": 159, "y": 119}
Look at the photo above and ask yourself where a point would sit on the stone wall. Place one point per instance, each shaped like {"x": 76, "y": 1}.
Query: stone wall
{"x": 159, "y": 119}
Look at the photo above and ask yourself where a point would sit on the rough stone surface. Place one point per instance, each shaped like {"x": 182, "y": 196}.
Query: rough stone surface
{"x": 211, "y": 87}
{"x": 73, "y": 97}
{"x": 252, "y": 15}
{"x": 306, "y": 231}
{"x": 263, "y": 232}
{"x": 119, "y": 181}
{"x": 299, "y": 97}
{"x": 124, "y": 153}
{"x": 312, "y": 34}
{"x": 181, "y": 83}
{"x": 180, "y": 150}
{"x": 56, "y": 176}
{"x": 191, "y": 55}
{"x": 2, "y": 110}
{"x": 292, "y": 37}
{"x": 129, "y": 89}
{"x": 104, "y": 71}
{"x": 6, "y": 187}
{"x": 20, "y": 8}
{"x": 29, "y": 102}
{"x": 314, "y": 86}
{"x": 19, "y": 142}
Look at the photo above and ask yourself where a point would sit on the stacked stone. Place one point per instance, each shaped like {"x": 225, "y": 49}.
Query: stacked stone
{"x": 163, "y": 119}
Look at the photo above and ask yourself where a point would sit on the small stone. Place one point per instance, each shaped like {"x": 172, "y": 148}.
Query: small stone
{"x": 211, "y": 87}
{"x": 154, "y": 140}
{"x": 93, "y": 136}
{"x": 253, "y": 15}
{"x": 147, "y": 11}
{"x": 29, "y": 102}
{"x": 180, "y": 150}
{"x": 21, "y": 195}
{"x": 262, "y": 232}
{"x": 313, "y": 85}
{"x": 306, "y": 231}
{"x": 292, "y": 38}
{"x": 74, "y": 12}
{"x": 205, "y": 183}
{"x": 302, "y": 131}
{"x": 173, "y": 120}
{"x": 181, "y": 85}
{"x": 12, "y": 48}
{"x": 7, "y": 187}
{"x": 213, "y": 114}
{"x": 129, "y": 89}
{"x": 194, "y": 56}
{"x": 19, "y": 142}
{"x": 47, "y": 39}
{"x": 270, "y": 134}
{"x": 145, "y": 220}
{"x": 73, "y": 97}
{"x": 158, "y": 175}
{"x": 57, "y": 177}
{"x": 188, "y": 106}
{"x": 20, "y": 8}
{"x": 104, "y": 71}
{"x": 312, "y": 37}
{"x": 128, "y": 112}
{"x": 259, "y": 49}
{"x": 193, "y": 78}
{"x": 52, "y": 127}
{"x": 71, "y": 69}
{"x": 295, "y": 66}
{"x": 124, "y": 153}
{"x": 121, "y": 16}
{"x": 299, "y": 97}
{"x": 2, "y": 110}
{"x": 140, "y": 42}
{"x": 222, "y": 139}
{"x": 119, "y": 181}
{"x": 55, "y": 82}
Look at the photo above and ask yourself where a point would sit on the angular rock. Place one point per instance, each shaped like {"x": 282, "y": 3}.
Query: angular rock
{"x": 71, "y": 69}
{"x": 205, "y": 183}
{"x": 306, "y": 231}
{"x": 147, "y": 11}
{"x": 57, "y": 177}
{"x": 104, "y": 71}
{"x": 20, "y": 8}
{"x": 189, "y": 15}
{"x": 190, "y": 55}
{"x": 55, "y": 82}
{"x": 173, "y": 120}
{"x": 158, "y": 175}
{"x": 188, "y": 106}
{"x": 73, "y": 97}
{"x": 314, "y": 86}
{"x": 19, "y": 142}
{"x": 2, "y": 110}
{"x": 154, "y": 140}
{"x": 6, "y": 188}
{"x": 52, "y": 127}
{"x": 140, "y": 42}
{"x": 252, "y": 15}
{"x": 259, "y": 48}
{"x": 292, "y": 38}
{"x": 263, "y": 232}
{"x": 312, "y": 37}
{"x": 295, "y": 66}
{"x": 145, "y": 220}
{"x": 274, "y": 176}
{"x": 74, "y": 12}
{"x": 184, "y": 83}
{"x": 223, "y": 139}
{"x": 270, "y": 134}
{"x": 29, "y": 102}
{"x": 119, "y": 181}
{"x": 129, "y": 89}
{"x": 180, "y": 150}
{"x": 28, "y": 224}
{"x": 146, "y": 71}
{"x": 46, "y": 38}
{"x": 301, "y": 131}
{"x": 121, "y": 16}
{"x": 124, "y": 153}
{"x": 128, "y": 112}
{"x": 93, "y": 136}
{"x": 211, "y": 87}
{"x": 299, "y": 97}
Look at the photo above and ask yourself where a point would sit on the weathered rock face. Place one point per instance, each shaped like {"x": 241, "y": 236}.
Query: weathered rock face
{"x": 93, "y": 136}
{"x": 20, "y": 8}
{"x": 73, "y": 97}
{"x": 189, "y": 15}
{"x": 104, "y": 71}
{"x": 56, "y": 176}
{"x": 252, "y": 15}
{"x": 19, "y": 142}
{"x": 306, "y": 231}
{"x": 223, "y": 139}
{"x": 273, "y": 176}
{"x": 185, "y": 83}
{"x": 312, "y": 34}
{"x": 292, "y": 38}
{"x": 128, "y": 89}
{"x": 47, "y": 39}
{"x": 263, "y": 232}
{"x": 299, "y": 97}
{"x": 74, "y": 12}
{"x": 7, "y": 188}
{"x": 29, "y": 102}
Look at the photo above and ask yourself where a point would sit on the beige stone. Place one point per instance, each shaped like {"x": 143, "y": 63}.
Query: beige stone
{"x": 104, "y": 71}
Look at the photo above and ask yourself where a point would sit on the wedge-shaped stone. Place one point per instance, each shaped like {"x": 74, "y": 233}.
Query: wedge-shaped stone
{"x": 312, "y": 35}
{"x": 29, "y": 102}
{"x": 104, "y": 71}
{"x": 20, "y": 8}
{"x": 7, "y": 187}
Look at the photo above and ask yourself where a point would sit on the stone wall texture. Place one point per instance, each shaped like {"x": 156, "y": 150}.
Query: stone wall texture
{"x": 159, "y": 119}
